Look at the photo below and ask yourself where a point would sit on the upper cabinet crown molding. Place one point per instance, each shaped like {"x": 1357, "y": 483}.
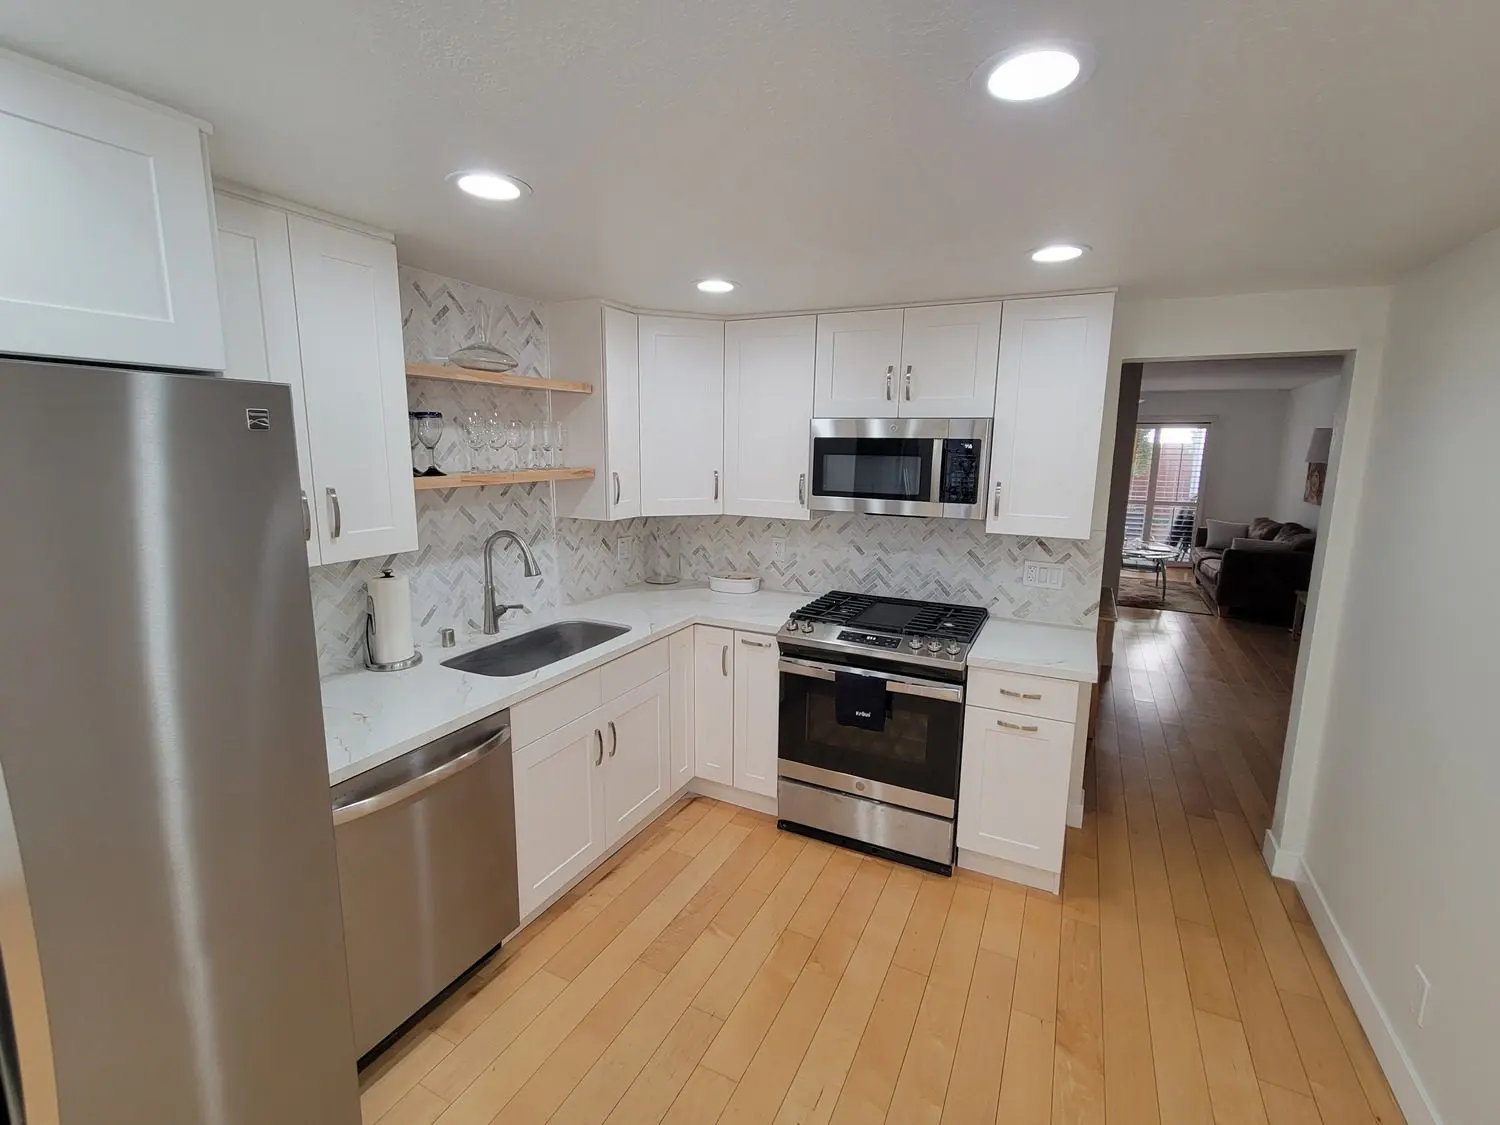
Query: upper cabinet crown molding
{"x": 1049, "y": 412}
{"x": 111, "y": 250}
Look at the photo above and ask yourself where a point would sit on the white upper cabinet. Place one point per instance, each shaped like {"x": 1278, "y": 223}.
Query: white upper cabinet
{"x": 948, "y": 355}
{"x": 1049, "y": 410}
{"x": 682, "y": 416}
{"x": 768, "y": 403}
{"x": 106, "y": 225}
{"x": 259, "y": 307}
{"x": 857, "y": 361}
{"x": 354, "y": 379}
{"x": 593, "y": 343}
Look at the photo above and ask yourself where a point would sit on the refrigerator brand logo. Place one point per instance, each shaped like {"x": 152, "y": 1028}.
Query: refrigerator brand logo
{"x": 257, "y": 418}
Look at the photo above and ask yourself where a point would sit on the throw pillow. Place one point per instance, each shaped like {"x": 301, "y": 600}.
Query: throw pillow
{"x": 1263, "y": 528}
{"x": 1221, "y": 533}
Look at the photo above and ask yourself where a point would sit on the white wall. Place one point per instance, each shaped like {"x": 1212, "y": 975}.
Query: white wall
{"x": 1243, "y": 456}
{"x": 1310, "y": 406}
{"x": 1403, "y": 838}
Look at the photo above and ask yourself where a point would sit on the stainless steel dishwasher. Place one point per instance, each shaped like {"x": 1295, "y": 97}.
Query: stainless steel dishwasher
{"x": 427, "y": 871}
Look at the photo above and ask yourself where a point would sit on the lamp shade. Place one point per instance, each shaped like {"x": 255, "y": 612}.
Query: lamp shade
{"x": 1321, "y": 445}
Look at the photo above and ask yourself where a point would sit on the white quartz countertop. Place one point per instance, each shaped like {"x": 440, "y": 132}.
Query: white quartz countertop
{"x": 1060, "y": 651}
{"x": 372, "y": 717}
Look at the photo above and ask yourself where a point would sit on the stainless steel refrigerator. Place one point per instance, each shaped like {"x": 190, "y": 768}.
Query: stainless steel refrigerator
{"x": 170, "y": 931}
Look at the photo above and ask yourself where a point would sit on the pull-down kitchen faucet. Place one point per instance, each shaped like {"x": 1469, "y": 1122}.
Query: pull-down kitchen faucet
{"x": 492, "y": 610}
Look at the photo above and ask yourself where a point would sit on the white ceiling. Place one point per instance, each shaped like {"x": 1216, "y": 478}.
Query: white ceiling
{"x": 1282, "y": 373}
{"x": 837, "y": 152}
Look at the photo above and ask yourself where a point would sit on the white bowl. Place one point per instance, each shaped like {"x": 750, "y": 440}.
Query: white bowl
{"x": 734, "y": 583}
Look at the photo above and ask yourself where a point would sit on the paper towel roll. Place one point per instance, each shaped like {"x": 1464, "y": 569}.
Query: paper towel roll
{"x": 390, "y": 635}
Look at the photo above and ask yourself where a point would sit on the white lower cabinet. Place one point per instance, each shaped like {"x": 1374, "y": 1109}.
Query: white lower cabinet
{"x": 756, "y": 712}
{"x": 680, "y": 669}
{"x": 582, "y": 788}
{"x": 1013, "y": 787}
{"x": 713, "y": 703}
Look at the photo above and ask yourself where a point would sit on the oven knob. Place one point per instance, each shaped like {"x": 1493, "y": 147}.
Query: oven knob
{"x": 953, "y": 648}
{"x": 807, "y": 626}
{"x": 916, "y": 644}
{"x": 934, "y": 645}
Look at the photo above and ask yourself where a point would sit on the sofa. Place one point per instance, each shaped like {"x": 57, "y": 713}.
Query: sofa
{"x": 1257, "y": 572}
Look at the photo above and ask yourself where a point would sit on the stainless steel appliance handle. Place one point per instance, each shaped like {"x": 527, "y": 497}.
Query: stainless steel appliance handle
{"x": 997, "y": 498}
{"x": 306, "y": 519}
{"x": 716, "y": 484}
{"x": 335, "y": 512}
{"x": 614, "y": 738}
{"x": 724, "y": 660}
{"x": 617, "y": 486}
{"x": 802, "y": 489}
{"x": 901, "y": 685}
{"x": 1030, "y": 729}
{"x": 890, "y": 374}
{"x": 599, "y": 750}
{"x": 908, "y": 382}
{"x": 408, "y": 789}
{"x": 755, "y": 644}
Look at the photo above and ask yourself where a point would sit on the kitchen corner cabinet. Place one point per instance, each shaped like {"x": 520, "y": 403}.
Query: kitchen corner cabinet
{"x": 1049, "y": 412}
{"x": 315, "y": 306}
{"x": 109, "y": 231}
{"x": 713, "y": 706}
{"x": 586, "y": 786}
{"x": 929, "y": 362}
{"x": 768, "y": 404}
{"x": 594, "y": 343}
{"x": 681, "y": 416}
{"x": 757, "y": 707}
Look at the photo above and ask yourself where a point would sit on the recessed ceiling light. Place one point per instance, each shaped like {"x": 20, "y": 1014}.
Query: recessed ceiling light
{"x": 1033, "y": 73}
{"x": 715, "y": 285}
{"x": 490, "y": 186}
{"x": 1058, "y": 252}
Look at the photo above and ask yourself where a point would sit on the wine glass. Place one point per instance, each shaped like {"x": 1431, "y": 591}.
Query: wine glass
{"x": 515, "y": 437}
{"x": 474, "y": 434}
{"x": 543, "y": 432}
{"x": 429, "y": 432}
{"x": 411, "y": 424}
{"x": 494, "y": 430}
{"x": 559, "y": 437}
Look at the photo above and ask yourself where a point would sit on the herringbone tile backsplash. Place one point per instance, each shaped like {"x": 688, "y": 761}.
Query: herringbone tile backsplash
{"x": 951, "y": 560}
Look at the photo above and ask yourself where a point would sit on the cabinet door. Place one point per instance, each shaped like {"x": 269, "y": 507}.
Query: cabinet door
{"x": 259, "y": 309}
{"x": 108, "y": 231}
{"x": 1013, "y": 787}
{"x": 622, "y": 411}
{"x": 713, "y": 703}
{"x": 948, "y": 356}
{"x": 858, "y": 354}
{"x": 682, "y": 416}
{"x": 637, "y": 752}
{"x": 768, "y": 399}
{"x": 757, "y": 706}
{"x": 354, "y": 376}
{"x": 680, "y": 668}
{"x": 560, "y": 829}
{"x": 1049, "y": 409}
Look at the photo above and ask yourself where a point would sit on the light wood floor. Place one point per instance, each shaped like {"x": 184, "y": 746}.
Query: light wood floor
{"x": 721, "y": 971}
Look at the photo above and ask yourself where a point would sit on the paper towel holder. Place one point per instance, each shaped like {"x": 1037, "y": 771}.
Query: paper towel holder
{"x": 370, "y": 662}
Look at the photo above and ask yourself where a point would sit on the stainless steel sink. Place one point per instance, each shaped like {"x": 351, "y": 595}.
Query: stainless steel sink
{"x": 526, "y": 652}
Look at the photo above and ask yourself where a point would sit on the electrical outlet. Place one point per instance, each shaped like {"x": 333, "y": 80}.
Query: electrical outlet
{"x": 624, "y": 549}
{"x": 1043, "y": 576}
{"x": 1419, "y": 997}
{"x": 778, "y": 548}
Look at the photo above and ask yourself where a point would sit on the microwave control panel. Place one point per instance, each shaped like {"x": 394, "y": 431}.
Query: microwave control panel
{"x": 961, "y": 471}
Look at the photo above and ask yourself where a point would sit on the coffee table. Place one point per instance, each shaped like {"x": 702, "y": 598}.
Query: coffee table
{"x": 1151, "y": 557}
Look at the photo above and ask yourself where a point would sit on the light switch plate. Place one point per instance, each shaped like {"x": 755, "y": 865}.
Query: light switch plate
{"x": 1042, "y": 576}
{"x": 624, "y": 548}
{"x": 778, "y": 548}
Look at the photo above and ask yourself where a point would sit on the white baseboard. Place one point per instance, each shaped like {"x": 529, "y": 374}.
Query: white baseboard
{"x": 1281, "y": 863}
{"x": 1075, "y": 813}
{"x": 1009, "y": 871}
{"x": 1406, "y": 1084}
{"x": 755, "y": 802}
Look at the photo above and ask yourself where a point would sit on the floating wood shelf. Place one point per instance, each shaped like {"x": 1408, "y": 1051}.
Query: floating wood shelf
{"x": 452, "y": 374}
{"x": 479, "y": 480}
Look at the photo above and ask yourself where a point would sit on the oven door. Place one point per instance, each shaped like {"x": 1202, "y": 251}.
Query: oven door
{"x": 889, "y": 466}
{"x": 912, "y": 763}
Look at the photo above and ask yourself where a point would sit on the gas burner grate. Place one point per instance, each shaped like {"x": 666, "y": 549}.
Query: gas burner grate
{"x": 960, "y": 623}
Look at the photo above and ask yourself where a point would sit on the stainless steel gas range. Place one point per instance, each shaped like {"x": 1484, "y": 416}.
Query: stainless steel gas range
{"x": 871, "y": 722}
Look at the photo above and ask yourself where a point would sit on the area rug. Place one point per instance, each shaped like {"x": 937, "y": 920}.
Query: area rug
{"x": 1139, "y": 590}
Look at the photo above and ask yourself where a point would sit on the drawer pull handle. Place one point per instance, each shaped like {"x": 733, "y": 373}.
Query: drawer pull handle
{"x": 614, "y": 738}
{"x": 755, "y": 644}
{"x": 336, "y": 512}
{"x": 802, "y": 490}
{"x": 617, "y": 486}
{"x": 724, "y": 660}
{"x": 1020, "y": 694}
{"x": 997, "y": 501}
{"x": 908, "y": 382}
{"x": 1028, "y": 728}
{"x": 599, "y": 753}
{"x": 306, "y": 519}
{"x": 890, "y": 374}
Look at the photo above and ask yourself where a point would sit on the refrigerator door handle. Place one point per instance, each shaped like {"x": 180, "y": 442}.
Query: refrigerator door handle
{"x": 335, "y": 513}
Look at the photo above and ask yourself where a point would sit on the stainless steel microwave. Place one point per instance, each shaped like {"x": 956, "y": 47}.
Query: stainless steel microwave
{"x": 900, "y": 466}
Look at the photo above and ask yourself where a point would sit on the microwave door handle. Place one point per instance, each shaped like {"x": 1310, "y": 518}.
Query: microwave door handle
{"x": 898, "y": 685}
{"x": 935, "y": 492}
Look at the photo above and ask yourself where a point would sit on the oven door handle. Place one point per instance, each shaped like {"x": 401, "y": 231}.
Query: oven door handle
{"x": 901, "y": 685}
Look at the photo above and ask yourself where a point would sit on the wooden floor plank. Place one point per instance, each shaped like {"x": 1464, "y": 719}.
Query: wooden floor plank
{"x": 866, "y": 1093}
{"x": 663, "y": 1077}
{"x": 1231, "y": 1074}
{"x": 1078, "y": 1060}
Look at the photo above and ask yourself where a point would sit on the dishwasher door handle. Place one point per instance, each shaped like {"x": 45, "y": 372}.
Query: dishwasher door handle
{"x": 408, "y": 789}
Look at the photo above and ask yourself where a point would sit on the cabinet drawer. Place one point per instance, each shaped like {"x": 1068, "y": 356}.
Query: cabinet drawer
{"x": 1023, "y": 695}
{"x": 542, "y": 714}
{"x": 634, "y": 669}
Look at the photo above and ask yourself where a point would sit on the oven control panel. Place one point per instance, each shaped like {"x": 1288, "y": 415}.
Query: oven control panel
{"x": 873, "y": 640}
